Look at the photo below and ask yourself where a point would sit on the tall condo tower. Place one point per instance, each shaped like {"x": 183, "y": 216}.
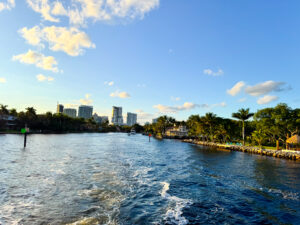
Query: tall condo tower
{"x": 85, "y": 111}
{"x": 131, "y": 119}
{"x": 117, "y": 118}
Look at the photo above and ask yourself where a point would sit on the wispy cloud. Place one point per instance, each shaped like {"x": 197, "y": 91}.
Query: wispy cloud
{"x": 109, "y": 83}
{"x": 69, "y": 40}
{"x": 213, "y": 73}
{"x": 41, "y": 78}
{"x": 266, "y": 87}
{"x": 37, "y": 59}
{"x": 236, "y": 88}
{"x": 79, "y": 11}
{"x": 242, "y": 99}
{"x": 118, "y": 94}
{"x": 7, "y": 5}
{"x": 266, "y": 99}
{"x": 87, "y": 100}
{"x": 2, "y": 80}
{"x": 144, "y": 117}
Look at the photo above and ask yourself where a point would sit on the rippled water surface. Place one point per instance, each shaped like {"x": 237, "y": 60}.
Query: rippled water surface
{"x": 120, "y": 179}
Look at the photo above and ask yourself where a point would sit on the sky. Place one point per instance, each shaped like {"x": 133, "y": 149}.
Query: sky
{"x": 152, "y": 57}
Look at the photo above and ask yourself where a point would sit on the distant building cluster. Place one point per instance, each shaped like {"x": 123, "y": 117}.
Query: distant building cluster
{"x": 86, "y": 112}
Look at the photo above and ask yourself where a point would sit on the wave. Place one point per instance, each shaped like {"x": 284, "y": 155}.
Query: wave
{"x": 285, "y": 194}
{"x": 174, "y": 214}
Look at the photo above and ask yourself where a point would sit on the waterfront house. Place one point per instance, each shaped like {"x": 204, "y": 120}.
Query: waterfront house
{"x": 175, "y": 131}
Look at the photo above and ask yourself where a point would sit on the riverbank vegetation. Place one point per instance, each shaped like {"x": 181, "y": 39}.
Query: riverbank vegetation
{"x": 264, "y": 127}
{"x": 12, "y": 121}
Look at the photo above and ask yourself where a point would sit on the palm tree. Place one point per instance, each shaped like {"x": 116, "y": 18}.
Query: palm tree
{"x": 243, "y": 115}
{"x": 4, "y": 110}
{"x": 259, "y": 136}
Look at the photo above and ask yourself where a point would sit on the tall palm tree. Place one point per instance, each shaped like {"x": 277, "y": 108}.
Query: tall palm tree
{"x": 243, "y": 115}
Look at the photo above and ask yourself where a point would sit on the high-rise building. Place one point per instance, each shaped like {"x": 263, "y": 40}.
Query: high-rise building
{"x": 131, "y": 119}
{"x": 117, "y": 118}
{"x": 85, "y": 111}
{"x": 70, "y": 112}
{"x": 60, "y": 108}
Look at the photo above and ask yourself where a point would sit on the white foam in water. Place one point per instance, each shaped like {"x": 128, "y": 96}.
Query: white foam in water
{"x": 174, "y": 214}
{"x": 285, "y": 194}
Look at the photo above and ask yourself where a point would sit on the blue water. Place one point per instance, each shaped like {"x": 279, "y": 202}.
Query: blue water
{"x": 120, "y": 179}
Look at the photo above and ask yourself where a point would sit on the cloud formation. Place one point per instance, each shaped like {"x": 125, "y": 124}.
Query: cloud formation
{"x": 42, "y": 78}
{"x": 78, "y": 11}
{"x": 7, "y": 5}
{"x": 87, "y": 100}
{"x": 109, "y": 83}
{"x": 266, "y": 99}
{"x": 213, "y": 73}
{"x": 69, "y": 40}
{"x": 37, "y": 59}
{"x": 175, "y": 109}
{"x": 118, "y": 94}
{"x": 265, "y": 88}
{"x": 236, "y": 88}
{"x": 2, "y": 80}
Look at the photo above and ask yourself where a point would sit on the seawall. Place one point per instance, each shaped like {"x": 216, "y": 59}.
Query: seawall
{"x": 285, "y": 154}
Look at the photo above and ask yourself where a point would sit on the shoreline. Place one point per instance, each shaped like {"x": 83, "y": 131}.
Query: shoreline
{"x": 284, "y": 154}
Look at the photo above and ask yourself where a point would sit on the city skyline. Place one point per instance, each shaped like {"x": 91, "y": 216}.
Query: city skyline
{"x": 142, "y": 56}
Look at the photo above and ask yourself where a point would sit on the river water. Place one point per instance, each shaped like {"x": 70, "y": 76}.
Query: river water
{"x": 119, "y": 179}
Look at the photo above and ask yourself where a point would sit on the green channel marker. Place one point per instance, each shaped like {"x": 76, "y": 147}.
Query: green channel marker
{"x": 23, "y": 130}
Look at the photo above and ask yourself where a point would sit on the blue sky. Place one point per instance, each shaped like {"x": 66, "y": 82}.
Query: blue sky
{"x": 152, "y": 57}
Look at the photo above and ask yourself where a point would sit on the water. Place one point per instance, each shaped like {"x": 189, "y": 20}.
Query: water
{"x": 120, "y": 179}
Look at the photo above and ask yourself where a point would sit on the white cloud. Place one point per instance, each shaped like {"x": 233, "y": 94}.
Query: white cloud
{"x": 7, "y": 5}
{"x": 69, "y": 40}
{"x": 87, "y": 100}
{"x": 41, "y": 78}
{"x": 42, "y": 7}
{"x": 213, "y": 73}
{"x": 2, "y": 80}
{"x": 266, "y": 99}
{"x": 78, "y": 11}
{"x": 236, "y": 88}
{"x": 38, "y": 59}
{"x": 265, "y": 88}
{"x": 118, "y": 94}
{"x": 109, "y": 83}
{"x": 186, "y": 106}
{"x": 58, "y": 9}
{"x": 175, "y": 109}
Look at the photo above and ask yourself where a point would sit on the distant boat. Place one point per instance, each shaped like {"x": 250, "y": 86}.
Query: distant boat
{"x": 132, "y": 132}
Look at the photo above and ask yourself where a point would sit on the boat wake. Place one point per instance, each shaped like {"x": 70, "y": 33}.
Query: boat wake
{"x": 174, "y": 212}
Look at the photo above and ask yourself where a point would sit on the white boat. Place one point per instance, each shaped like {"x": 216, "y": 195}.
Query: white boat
{"x": 132, "y": 132}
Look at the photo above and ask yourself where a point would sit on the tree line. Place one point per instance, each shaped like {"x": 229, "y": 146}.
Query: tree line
{"x": 265, "y": 127}
{"x": 53, "y": 122}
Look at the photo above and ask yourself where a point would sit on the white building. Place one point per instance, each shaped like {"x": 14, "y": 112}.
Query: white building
{"x": 70, "y": 112}
{"x": 85, "y": 111}
{"x": 117, "y": 118}
{"x": 131, "y": 119}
